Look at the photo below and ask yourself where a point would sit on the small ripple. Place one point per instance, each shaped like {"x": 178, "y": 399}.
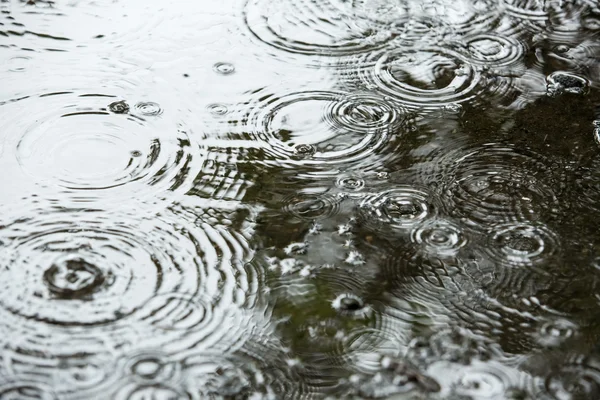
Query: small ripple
{"x": 554, "y": 332}
{"x": 351, "y": 183}
{"x": 492, "y": 50}
{"x": 224, "y": 68}
{"x": 523, "y": 243}
{"x": 148, "y": 109}
{"x": 429, "y": 77}
{"x": 309, "y": 206}
{"x": 319, "y": 128}
{"x": 439, "y": 237}
{"x": 397, "y": 209}
{"x": 76, "y": 146}
{"x": 152, "y": 366}
{"x": 311, "y": 29}
{"x": 580, "y": 380}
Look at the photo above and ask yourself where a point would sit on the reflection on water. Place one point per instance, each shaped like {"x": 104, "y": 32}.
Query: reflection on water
{"x": 299, "y": 199}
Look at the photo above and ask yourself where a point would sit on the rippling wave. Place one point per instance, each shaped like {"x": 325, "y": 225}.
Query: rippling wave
{"x": 92, "y": 149}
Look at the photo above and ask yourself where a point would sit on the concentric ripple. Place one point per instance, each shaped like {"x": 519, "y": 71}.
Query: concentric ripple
{"x": 89, "y": 155}
{"x": 523, "y": 243}
{"x": 397, "y": 209}
{"x": 310, "y": 206}
{"x": 322, "y": 128}
{"x": 492, "y": 184}
{"x": 575, "y": 381}
{"x": 91, "y": 282}
{"x": 439, "y": 236}
{"x": 311, "y": 28}
{"x": 493, "y": 50}
{"x": 425, "y": 78}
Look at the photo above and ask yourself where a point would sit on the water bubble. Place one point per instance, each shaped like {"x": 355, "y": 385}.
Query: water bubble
{"x": 218, "y": 109}
{"x": 148, "y": 109}
{"x": 565, "y": 82}
{"x": 224, "y": 68}
{"x": 119, "y": 107}
{"x": 136, "y": 153}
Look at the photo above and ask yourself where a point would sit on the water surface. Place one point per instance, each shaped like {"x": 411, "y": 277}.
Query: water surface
{"x": 300, "y": 199}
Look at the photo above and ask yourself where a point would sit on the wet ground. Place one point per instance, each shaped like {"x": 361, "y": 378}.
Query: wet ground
{"x": 294, "y": 199}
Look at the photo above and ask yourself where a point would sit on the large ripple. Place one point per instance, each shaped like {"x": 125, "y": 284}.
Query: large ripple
{"x": 81, "y": 287}
{"x": 92, "y": 149}
{"x": 322, "y": 128}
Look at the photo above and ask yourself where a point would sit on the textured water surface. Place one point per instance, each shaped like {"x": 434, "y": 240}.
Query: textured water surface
{"x": 299, "y": 199}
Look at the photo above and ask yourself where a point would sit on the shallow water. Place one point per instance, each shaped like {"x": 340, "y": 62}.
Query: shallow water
{"x": 300, "y": 199}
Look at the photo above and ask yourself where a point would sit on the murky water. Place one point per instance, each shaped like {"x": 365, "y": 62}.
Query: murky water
{"x": 300, "y": 199}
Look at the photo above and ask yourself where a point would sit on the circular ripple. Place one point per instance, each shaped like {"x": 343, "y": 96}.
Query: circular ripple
{"x": 575, "y": 381}
{"x": 152, "y": 366}
{"x": 555, "y": 332}
{"x": 309, "y": 28}
{"x": 523, "y": 243}
{"x": 19, "y": 390}
{"x": 318, "y": 127}
{"x": 148, "y": 109}
{"x": 493, "y": 50}
{"x": 91, "y": 156}
{"x": 425, "y": 78}
{"x": 77, "y": 278}
{"x": 311, "y": 206}
{"x": 492, "y": 184}
{"x": 224, "y": 68}
{"x": 438, "y": 236}
{"x": 564, "y": 82}
{"x": 397, "y": 209}
{"x": 351, "y": 183}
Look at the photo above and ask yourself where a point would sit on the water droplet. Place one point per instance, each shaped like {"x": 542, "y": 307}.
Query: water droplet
{"x": 136, "y": 153}
{"x": 554, "y": 333}
{"x": 224, "y": 68}
{"x": 119, "y": 107}
{"x": 453, "y": 108}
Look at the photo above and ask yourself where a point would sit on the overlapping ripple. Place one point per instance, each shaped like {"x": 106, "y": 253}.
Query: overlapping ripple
{"x": 493, "y": 183}
{"x": 311, "y": 28}
{"x": 93, "y": 149}
{"x": 322, "y": 128}
{"x": 80, "y": 287}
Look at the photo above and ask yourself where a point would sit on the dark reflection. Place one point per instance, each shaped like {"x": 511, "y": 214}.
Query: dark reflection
{"x": 342, "y": 199}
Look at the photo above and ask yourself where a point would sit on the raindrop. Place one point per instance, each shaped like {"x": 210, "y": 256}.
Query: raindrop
{"x": 311, "y": 207}
{"x": 554, "y": 333}
{"x": 303, "y": 151}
